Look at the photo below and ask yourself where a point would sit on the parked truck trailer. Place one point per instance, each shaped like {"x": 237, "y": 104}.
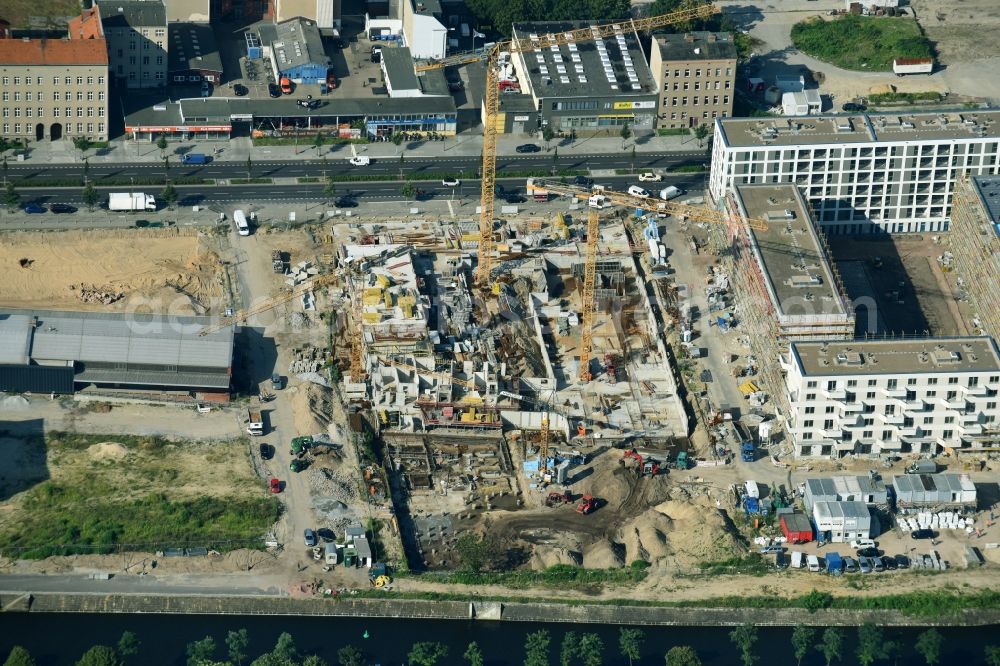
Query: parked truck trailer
{"x": 131, "y": 201}
{"x": 903, "y": 66}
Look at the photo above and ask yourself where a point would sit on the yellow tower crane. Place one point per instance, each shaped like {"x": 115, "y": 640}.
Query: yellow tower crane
{"x": 491, "y": 102}
{"x": 543, "y": 446}
{"x": 357, "y": 335}
{"x": 589, "y": 284}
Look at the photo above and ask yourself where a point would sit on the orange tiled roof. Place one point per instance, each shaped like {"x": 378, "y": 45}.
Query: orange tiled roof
{"x": 53, "y": 52}
{"x": 87, "y": 25}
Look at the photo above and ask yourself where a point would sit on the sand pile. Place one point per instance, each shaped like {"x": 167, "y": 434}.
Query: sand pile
{"x": 107, "y": 451}
{"x": 603, "y": 554}
{"x": 543, "y": 557}
{"x": 688, "y": 531}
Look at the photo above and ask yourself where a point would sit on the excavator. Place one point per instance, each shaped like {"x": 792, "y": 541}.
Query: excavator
{"x": 646, "y": 466}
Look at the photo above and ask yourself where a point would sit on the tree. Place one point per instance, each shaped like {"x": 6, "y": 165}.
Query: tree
{"x": 236, "y": 643}
{"x": 285, "y": 647}
{"x": 319, "y": 140}
{"x": 833, "y": 640}
{"x": 701, "y": 133}
{"x": 473, "y": 654}
{"x": 408, "y": 190}
{"x": 83, "y": 144}
{"x": 5, "y": 167}
{"x": 572, "y": 135}
{"x": 591, "y": 650}
{"x": 630, "y": 643}
{"x": 929, "y": 646}
{"x": 802, "y": 640}
{"x": 548, "y": 134}
{"x": 350, "y": 656}
{"x": 625, "y": 133}
{"x": 199, "y": 651}
{"x": 166, "y": 168}
{"x": 992, "y": 656}
{"x": 330, "y": 189}
{"x": 427, "y": 653}
{"x": 249, "y": 166}
{"x": 315, "y": 660}
{"x": 870, "y": 642}
{"x": 10, "y": 196}
{"x": 128, "y": 645}
{"x": 19, "y": 657}
{"x": 682, "y": 655}
{"x": 86, "y": 170}
{"x": 536, "y": 648}
{"x": 569, "y": 649}
{"x": 90, "y": 196}
{"x": 397, "y": 138}
{"x": 161, "y": 143}
{"x": 100, "y": 655}
{"x": 169, "y": 195}
{"x": 744, "y": 637}
{"x": 893, "y": 651}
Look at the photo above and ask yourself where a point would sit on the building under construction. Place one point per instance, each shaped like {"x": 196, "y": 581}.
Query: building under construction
{"x": 975, "y": 244}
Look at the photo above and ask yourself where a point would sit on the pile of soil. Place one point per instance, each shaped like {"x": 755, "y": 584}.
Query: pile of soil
{"x": 107, "y": 451}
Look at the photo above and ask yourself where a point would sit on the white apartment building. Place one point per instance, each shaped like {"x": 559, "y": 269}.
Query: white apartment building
{"x": 861, "y": 173}
{"x": 907, "y": 396}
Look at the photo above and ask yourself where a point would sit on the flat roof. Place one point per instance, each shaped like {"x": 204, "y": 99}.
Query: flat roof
{"x": 125, "y": 13}
{"x": 224, "y": 107}
{"x": 988, "y": 189}
{"x": 794, "y": 264}
{"x": 612, "y": 67}
{"x": 842, "y": 510}
{"x": 859, "y": 128}
{"x": 696, "y": 45}
{"x": 398, "y": 66}
{"x": 917, "y": 356}
{"x": 192, "y": 46}
{"x": 933, "y": 483}
{"x": 298, "y": 42}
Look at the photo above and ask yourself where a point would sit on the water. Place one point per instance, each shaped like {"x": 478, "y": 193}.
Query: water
{"x": 58, "y": 639}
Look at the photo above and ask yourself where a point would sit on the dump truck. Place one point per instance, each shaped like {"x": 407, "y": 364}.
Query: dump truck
{"x": 254, "y": 422}
{"x": 904, "y": 66}
{"x": 131, "y": 201}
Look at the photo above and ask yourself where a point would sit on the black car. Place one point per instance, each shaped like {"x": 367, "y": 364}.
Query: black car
{"x": 923, "y": 534}
{"x": 345, "y": 202}
{"x": 853, "y": 106}
{"x": 240, "y": 90}
{"x": 902, "y": 562}
{"x": 274, "y": 90}
{"x": 527, "y": 148}
{"x": 266, "y": 451}
{"x": 514, "y": 199}
{"x": 62, "y": 208}
{"x": 869, "y": 552}
{"x": 889, "y": 563}
{"x": 583, "y": 181}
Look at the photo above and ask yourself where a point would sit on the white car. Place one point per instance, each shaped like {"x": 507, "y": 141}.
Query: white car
{"x": 360, "y": 160}
{"x": 451, "y": 182}
{"x": 650, "y": 177}
{"x": 637, "y": 191}
{"x": 859, "y": 544}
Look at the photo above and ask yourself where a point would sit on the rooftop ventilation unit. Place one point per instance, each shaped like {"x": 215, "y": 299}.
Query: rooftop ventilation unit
{"x": 850, "y": 358}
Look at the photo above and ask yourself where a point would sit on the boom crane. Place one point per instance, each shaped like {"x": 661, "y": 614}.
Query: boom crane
{"x": 491, "y": 102}
{"x": 589, "y": 284}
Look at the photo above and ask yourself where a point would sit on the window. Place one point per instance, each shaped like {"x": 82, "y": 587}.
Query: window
{"x": 870, "y": 395}
{"x": 79, "y": 112}
{"x": 810, "y": 410}
{"x": 912, "y": 381}
{"x": 868, "y": 421}
{"x": 872, "y": 382}
{"x": 718, "y": 71}
{"x": 6, "y": 96}
{"x": 932, "y": 381}
{"x": 17, "y": 128}
{"x": 17, "y": 80}
{"x": 79, "y": 95}
{"x": 100, "y": 112}
{"x": 90, "y": 112}
{"x": 17, "y": 112}
{"x": 828, "y": 424}
{"x": 90, "y": 95}
{"x": 831, "y": 386}
{"x": 100, "y": 127}
{"x": 687, "y": 72}
{"x": 6, "y": 82}
{"x": 729, "y": 71}
{"x": 68, "y": 80}
{"x": 991, "y": 405}
{"x": 17, "y": 95}
{"x": 932, "y": 394}
{"x": 6, "y": 112}
{"x": 69, "y": 112}
{"x": 947, "y": 434}
{"x": 928, "y": 420}
{"x": 100, "y": 96}
{"x": 6, "y": 127}
{"x": 949, "y": 420}
{"x": 890, "y": 410}
{"x": 807, "y": 423}
{"x": 830, "y": 409}
{"x": 866, "y": 434}
{"x": 40, "y": 112}
{"x": 807, "y": 435}
{"x": 994, "y": 379}
{"x": 697, "y": 72}
{"x": 79, "y": 80}
{"x": 953, "y": 380}
{"x": 951, "y": 395}
{"x": 851, "y": 383}
{"x": 159, "y": 60}
{"x": 973, "y": 381}
{"x": 131, "y": 60}
{"x": 725, "y": 100}
{"x": 55, "y": 112}
{"x": 90, "y": 128}
{"x": 145, "y": 60}
{"x": 891, "y": 385}
{"x": 810, "y": 384}
{"x": 887, "y": 435}
{"x": 100, "y": 81}
{"x": 810, "y": 396}
{"x": 79, "y": 128}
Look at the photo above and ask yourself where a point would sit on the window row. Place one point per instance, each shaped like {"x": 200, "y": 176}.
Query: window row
{"x": 40, "y": 112}
{"x": 697, "y": 71}
{"x": 40, "y": 96}
{"x": 30, "y": 128}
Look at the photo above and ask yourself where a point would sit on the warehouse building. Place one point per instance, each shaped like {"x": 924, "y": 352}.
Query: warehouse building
{"x": 194, "y": 56}
{"x": 295, "y": 50}
{"x": 909, "y": 396}
{"x": 861, "y": 173}
{"x": 695, "y": 74}
{"x": 842, "y": 522}
{"x": 929, "y": 492}
{"x": 590, "y": 86}
{"x": 871, "y": 491}
{"x": 43, "y": 351}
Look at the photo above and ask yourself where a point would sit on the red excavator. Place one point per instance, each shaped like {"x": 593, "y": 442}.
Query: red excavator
{"x": 555, "y": 499}
{"x": 588, "y": 504}
{"x": 650, "y": 466}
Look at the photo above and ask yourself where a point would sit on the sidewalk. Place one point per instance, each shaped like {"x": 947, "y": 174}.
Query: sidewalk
{"x": 463, "y": 146}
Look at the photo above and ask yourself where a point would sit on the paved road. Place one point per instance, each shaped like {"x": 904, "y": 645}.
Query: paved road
{"x": 227, "y": 584}
{"x": 388, "y": 166}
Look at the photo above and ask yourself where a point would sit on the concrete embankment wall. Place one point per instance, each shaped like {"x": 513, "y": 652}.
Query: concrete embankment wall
{"x": 462, "y": 610}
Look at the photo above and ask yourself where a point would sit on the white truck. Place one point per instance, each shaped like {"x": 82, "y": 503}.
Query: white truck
{"x": 254, "y": 422}
{"x": 903, "y": 66}
{"x": 131, "y": 201}
{"x": 671, "y": 192}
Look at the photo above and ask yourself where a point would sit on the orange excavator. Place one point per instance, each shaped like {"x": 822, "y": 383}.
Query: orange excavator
{"x": 645, "y": 466}
{"x": 588, "y": 504}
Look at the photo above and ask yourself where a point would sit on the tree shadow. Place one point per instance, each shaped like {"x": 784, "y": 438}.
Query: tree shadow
{"x": 23, "y": 450}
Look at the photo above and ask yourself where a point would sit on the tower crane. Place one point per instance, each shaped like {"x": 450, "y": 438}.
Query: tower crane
{"x": 589, "y": 284}
{"x": 491, "y": 102}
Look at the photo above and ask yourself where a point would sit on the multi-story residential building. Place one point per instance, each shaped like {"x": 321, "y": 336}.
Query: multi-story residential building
{"x": 188, "y": 11}
{"x": 695, "y": 74}
{"x": 136, "y": 31}
{"x": 53, "y": 88}
{"x": 594, "y": 85}
{"x": 975, "y": 246}
{"x": 861, "y": 173}
{"x": 892, "y": 396}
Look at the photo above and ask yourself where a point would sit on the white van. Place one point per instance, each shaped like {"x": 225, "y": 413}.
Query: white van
{"x": 637, "y": 191}
{"x": 242, "y": 228}
{"x": 813, "y": 563}
{"x": 796, "y": 559}
{"x": 360, "y": 160}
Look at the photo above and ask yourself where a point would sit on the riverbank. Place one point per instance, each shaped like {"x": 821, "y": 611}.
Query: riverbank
{"x": 403, "y": 608}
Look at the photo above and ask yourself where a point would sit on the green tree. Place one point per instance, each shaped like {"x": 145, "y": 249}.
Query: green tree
{"x": 992, "y": 655}
{"x": 90, "y": 196}
{"x": 236, "y": 643}
{"x": 128, "y": 645}
{"x": 285, "y": 647}
{"x": 536, "y": 648}
{"x": 169, "y": 195}
{"x": 315, "y": 660}
{"x": 870, "y": 641}
{"x": 249, "y": 166}
{"x": 10, "y": 196}
{"x": 744, "y": 637}
{"x": 427, "y": 653}
{"x": 408, "y": 190}
{"x": 802, "y": 640}
{"x": 591, "y": 650}
{"x": 5, "y": 168}
{"x": 83, "y": 144}
{"x": 319, "y": 140}
{"x": 929, "y": 646}
{"x": 100, "y": 655}
{"x": 6, "y": 144}
{"x": 19, "y": 657}
{"x": 625, "y": 133}
{"x": 397, "y": 138}
{"x": 350, "y": 656}
{"x": 198, "y": 651}
{"x": 473, "y": 654}
{"x": 630, "y": 643}
{"x": 166, "y": 168}
{"x": 330, "y": 188}
{"x": 682, "y": 655}
{"x": 893, "y": 651}
{"x": 86, "y": 170}
{"x": 701, "y": 133}
{"x": 548, "y": 134}
{"x": 161, "y": 143}
{"x": 830, "y": 647}
{"x": 569, "y": 648}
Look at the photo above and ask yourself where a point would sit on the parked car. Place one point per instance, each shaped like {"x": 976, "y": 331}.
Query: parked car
{"x": 527, "y": 148}
{"x": 637, "y": 191}
{"x": 360, "y": 160}
{"x": 583, "y": 181}
{"x": 650, "y": 177}
{"x": 286, "y": 85}
{"x": 853, "y": 107}
{"x": 451, "y": 182}
{"x": 888, "y": 562}
{"x": 345, "y": 202}
{"x": 869, "y": 552}
{"x": 326, "y": 534}
{"x": 266, "y": 451}
{"x": 273, "y": 90}
{"x": 923, "y": 534}
{"x": 877, "y": 563}
{"x": 779, "y": 560}
{"x": 514, "y": 199}
{"x": 298, "y": 465}
{"x": 277, "y": 381}
{"x": 275, "y": 485}
{"x": 310, "y": 537}
{"x": 850, "y": 565}
{"x": 62, "y": 208}
{"x": 902, "y": 561}
{"x": 858, "y": 544}
{"x": 240, "y": 90}
{"x": 34, "y": 208}
{"x": 864, "y": 563}
{"x": 774, "y": 548}
{"x": 812, "y": 563}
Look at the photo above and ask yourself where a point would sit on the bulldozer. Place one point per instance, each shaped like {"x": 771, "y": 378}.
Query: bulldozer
{"x": 588, "y": 504}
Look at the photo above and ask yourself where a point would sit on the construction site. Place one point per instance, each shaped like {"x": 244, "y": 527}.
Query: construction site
{"x": 975, "y": 246}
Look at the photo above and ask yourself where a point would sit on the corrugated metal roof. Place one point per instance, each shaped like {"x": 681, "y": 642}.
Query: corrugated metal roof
{"x": 822, "y": 487}
{"x": 797, "y": 522}
{"x": 208, "y": 380}
{"x": 15, "y": 337}
{"x": 842, "y": 510}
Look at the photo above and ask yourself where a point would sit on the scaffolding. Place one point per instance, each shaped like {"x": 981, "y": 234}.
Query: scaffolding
{"x": 975, "y": 244}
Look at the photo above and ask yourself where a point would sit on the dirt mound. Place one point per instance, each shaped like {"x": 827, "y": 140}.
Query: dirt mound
{"x": 603, "y": 554}
{"x": 647, "y": 537}
{"x": 107, "y": 451}
{"x": 624, "y": 492}
{"x": 544, "y": 557}
{"x": 695, "y": 531}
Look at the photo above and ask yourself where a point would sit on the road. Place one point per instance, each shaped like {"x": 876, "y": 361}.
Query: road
{"x": 221, "y": 584}
{"x": 192, "y": 195}
{"x": 387, "y": 166}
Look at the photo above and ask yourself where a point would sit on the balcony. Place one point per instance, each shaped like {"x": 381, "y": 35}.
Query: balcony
{"x": 838, "y": 394}
{"x": 833, "y": 433}
{"x": 977, "y": 392}
{"x": 852, "y": 407}
{"x": 898, "y": 393}
{"x": 954, "y": 403}
{"x": 972, "y": 429}
{"x": 892, "y": 419}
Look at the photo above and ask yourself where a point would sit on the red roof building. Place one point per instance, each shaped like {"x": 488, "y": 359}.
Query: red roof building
{"x": 797, "y": 527}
